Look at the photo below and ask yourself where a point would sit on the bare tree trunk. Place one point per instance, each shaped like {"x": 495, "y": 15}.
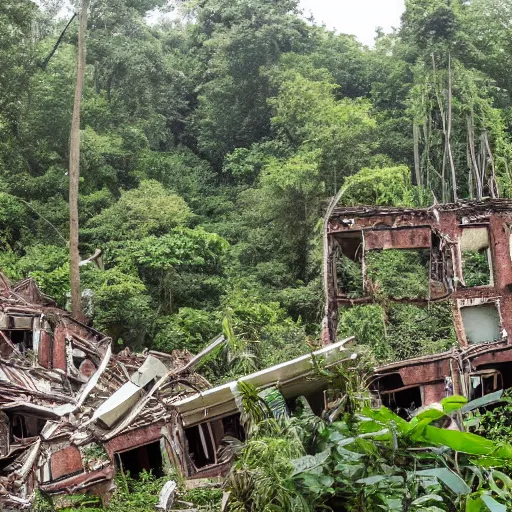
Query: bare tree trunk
{"x": 472, "y": 152}
{"x": 417, "y": 168}
{"x": 449, "y": 130}
{"x": 443, "y": 177}
{"x": 470, "y": 172}
{"x": 483, "y": 163}
{"x": 444, "y": 185}
{"x": 74, "y": 168}
{"x": 427, "y": 128}
{"x": 493, "y": 184}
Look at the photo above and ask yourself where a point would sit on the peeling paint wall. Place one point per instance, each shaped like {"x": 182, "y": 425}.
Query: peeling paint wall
{"x": 454, "y": 233}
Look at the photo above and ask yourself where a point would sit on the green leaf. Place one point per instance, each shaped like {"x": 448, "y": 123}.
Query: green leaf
{"x": 348, "y": 455}
{"x": 466, "y": 442}
{"x": 500, "y": 483}
{"x": 475, "y": 505}
{"x": 372, "y": 480}
{"x": 488, "y": 462}
{"x": 483, "y": 401}
{"x": 394, "y": 504}
{"x": 432, "y": 412}
{"x": 471, "y": 422}
{"x": 453, "y": 403}
{"x": 385, "y": 416}
{"x": 453, "y": 481}
{"x": 492, "y": 504}
{"x": 427, "y": 498}
{"x": 308, "y": 462}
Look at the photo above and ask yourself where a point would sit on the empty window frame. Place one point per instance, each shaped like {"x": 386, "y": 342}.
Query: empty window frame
{"x": 403, "y": 402}
{"x": 476, "y": 260}
{"x": 22, "y": 340}
{"x": 144, "y": 458}
{"x": 482, "y": 323}
{"x": 349, "y": 265}
{"x": 398, "y": 273}
{"x": 441, "y": 268}
{"x": 201, "y": 445}
{"x": 484, "y": 382}
{"x": 24, "y": 426}
{"x": 208, "y": 443}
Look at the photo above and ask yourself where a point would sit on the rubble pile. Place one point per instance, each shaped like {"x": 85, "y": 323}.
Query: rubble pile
{"x": 71, "y": 410}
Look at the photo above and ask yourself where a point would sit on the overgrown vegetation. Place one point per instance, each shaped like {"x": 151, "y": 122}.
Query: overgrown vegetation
{"x": 398, "y": 273}
{"x": 368, "y": 459}
{"x": 210, "y": 144}
{"x": 137, "y": 493}
{"x": 475, "y": 268}
{"x": 397, "y": 331}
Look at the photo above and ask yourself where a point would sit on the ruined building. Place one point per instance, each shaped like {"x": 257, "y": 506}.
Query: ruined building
{"x": 72, "y": 412}
{"x": 464, "y": 254}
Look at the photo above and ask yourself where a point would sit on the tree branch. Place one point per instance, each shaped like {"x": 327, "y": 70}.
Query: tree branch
{"x": 46, "y": 61}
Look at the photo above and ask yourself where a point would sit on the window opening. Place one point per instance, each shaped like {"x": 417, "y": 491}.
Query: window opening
{"x": 476, "y": 257}
{"x": 398, "y": 273}
{"x": 78, "y": 357}
{"x": 147, "y": 457}
{"x": 210, "y": 443}
{"x": 441, "y": 268}
{"x": 481, "y": 323}
{"x": 484, "y": 383}
{"x": 316, "y": 402}
{"x": 21, "y": 339}
{"x": 403, "y": 402}
{"x": 349, "y": 267}
{"x": 201, "y": 445}
{"x": 7, "y": 462}
{"x": 25, "y": 426}
{"x": 233, "y": 427}
{"x": 229, "y": 430}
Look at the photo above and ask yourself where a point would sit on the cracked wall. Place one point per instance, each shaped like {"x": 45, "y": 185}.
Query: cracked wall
{"x": 465, "y": 253}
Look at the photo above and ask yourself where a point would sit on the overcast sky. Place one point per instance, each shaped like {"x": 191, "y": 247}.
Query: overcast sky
{"x": 358, "y": 17}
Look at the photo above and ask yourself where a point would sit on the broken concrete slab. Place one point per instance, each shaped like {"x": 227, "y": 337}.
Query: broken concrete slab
{"x": 167, "y": 494}
{"x": 117, "y": 405}
{"x": 150, "y": 370}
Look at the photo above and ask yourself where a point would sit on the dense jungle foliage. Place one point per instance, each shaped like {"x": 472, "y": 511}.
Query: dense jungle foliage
{"x": 361, "y": 458}
{"x": 211, "y": 142}
{"x": 352, "y": 458}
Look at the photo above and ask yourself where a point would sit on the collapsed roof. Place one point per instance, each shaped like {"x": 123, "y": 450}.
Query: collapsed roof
{"x": 72, "y": 411}
{"x": 67, "y": 403}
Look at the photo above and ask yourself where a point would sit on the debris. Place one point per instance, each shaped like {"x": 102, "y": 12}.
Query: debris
{"x": 62, "y": 391}
{"x": 167, "y": 496}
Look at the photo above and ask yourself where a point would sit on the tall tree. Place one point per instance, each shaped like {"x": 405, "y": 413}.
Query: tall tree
{"x": 74, "y": 168}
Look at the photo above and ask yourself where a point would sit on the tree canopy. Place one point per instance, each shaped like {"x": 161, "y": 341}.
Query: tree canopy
{"x": 212, "y": 141}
